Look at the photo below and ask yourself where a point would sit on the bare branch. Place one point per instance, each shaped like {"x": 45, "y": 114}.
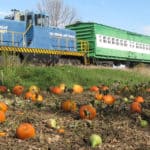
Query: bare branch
{"x": 59, "y": 13}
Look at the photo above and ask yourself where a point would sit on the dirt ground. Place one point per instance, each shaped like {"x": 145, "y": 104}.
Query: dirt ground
{"x": 118, "y": 127}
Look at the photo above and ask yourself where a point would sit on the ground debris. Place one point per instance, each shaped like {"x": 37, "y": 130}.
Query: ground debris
{"x": 119, "y": 131}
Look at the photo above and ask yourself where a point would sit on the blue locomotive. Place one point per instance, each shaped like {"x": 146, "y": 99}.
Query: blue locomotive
{"x": 28, "y": 29}
{"x": 29, "y": 34}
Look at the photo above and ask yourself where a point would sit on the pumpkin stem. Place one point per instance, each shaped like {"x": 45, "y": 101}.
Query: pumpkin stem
{"x": 87, "y": 113}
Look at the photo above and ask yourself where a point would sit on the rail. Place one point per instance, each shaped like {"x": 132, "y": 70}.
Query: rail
{"x": 12, "y": 35}
{"x": 24, "y": 33}
{"x": 84, "y": 47}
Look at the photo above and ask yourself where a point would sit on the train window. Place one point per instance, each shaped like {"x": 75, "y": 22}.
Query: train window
{"x": 125, "y": 43}
{"x": 137, "y": 45}
{"x": 131, "y": 44}
{"x": 22, "y": 18}
{"x": 46, "y": 22}
{"x": 140, "y": 46}
{"x": 29, "y": 19}
{"x": 109, "y": 40}
{"x": 144, "y": 46}
{"x": 113, "y": 41}
{"x": 117, "y": 41}
{"x": 100, "y": 38}
{"x": 38, "y": 19}
{"x": 104, "y": 39}
{"x": 121, "y": 42}
{"x": 41, "y": 20}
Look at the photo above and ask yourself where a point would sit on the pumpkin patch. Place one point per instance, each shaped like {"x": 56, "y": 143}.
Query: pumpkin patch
{"x": 86, "y": 116}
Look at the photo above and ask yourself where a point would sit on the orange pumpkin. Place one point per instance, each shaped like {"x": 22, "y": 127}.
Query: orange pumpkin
{"x": 87, "y": 112}
{"x": 108, "y": 99}
{"x": 94, "y": 89}
{"x": 30, "y": 96}
{"x": 3, "y": 107}
{"x": 56, "y": 90}
{"x": 69, "y": 105}
{"x": 135, "y": 107}
{"x": 2, "y": 116}
{"x": 77, "y": 89}
{"x": 3, "y": 89}
{"x": 139, "y": 99}
{"x": 98, "y": 96}
{"x": 25, "y": 131}
{"x": 18, "y": 90}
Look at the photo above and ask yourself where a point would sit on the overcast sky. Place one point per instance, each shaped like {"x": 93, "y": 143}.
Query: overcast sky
{"x": 132, "y": 15}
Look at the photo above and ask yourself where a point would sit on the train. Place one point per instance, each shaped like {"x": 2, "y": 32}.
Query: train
{"x": 28, "y": 34}
{"x": 113, "y": 44}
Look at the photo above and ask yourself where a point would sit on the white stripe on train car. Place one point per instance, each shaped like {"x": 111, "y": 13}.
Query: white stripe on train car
{"x": 103, "y": 41}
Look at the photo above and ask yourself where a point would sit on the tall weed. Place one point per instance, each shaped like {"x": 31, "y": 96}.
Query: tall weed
{"x": 10, "y": 63}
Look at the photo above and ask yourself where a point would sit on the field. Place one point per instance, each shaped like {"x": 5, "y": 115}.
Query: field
{"x": 119, "y": 128}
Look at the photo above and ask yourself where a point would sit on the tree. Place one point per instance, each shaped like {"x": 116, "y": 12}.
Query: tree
{"x": 59, "y": 13}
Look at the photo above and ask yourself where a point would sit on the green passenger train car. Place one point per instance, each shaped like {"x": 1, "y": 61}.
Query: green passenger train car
{"x": 109, "y": 43}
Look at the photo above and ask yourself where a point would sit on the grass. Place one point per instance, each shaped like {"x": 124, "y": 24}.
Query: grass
{"x": 50, "y": 76}
{"x": 12, "y": 73}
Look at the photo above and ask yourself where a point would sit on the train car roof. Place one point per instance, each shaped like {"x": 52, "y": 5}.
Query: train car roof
{"x": 129, "y": 32}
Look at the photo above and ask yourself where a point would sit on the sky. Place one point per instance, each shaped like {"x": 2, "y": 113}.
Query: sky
{"x": 131, "y": 15}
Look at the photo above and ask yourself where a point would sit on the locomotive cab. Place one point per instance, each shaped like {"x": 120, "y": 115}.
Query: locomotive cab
{"x": 37, "y": 19}
{"x": 26, "y": 29}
